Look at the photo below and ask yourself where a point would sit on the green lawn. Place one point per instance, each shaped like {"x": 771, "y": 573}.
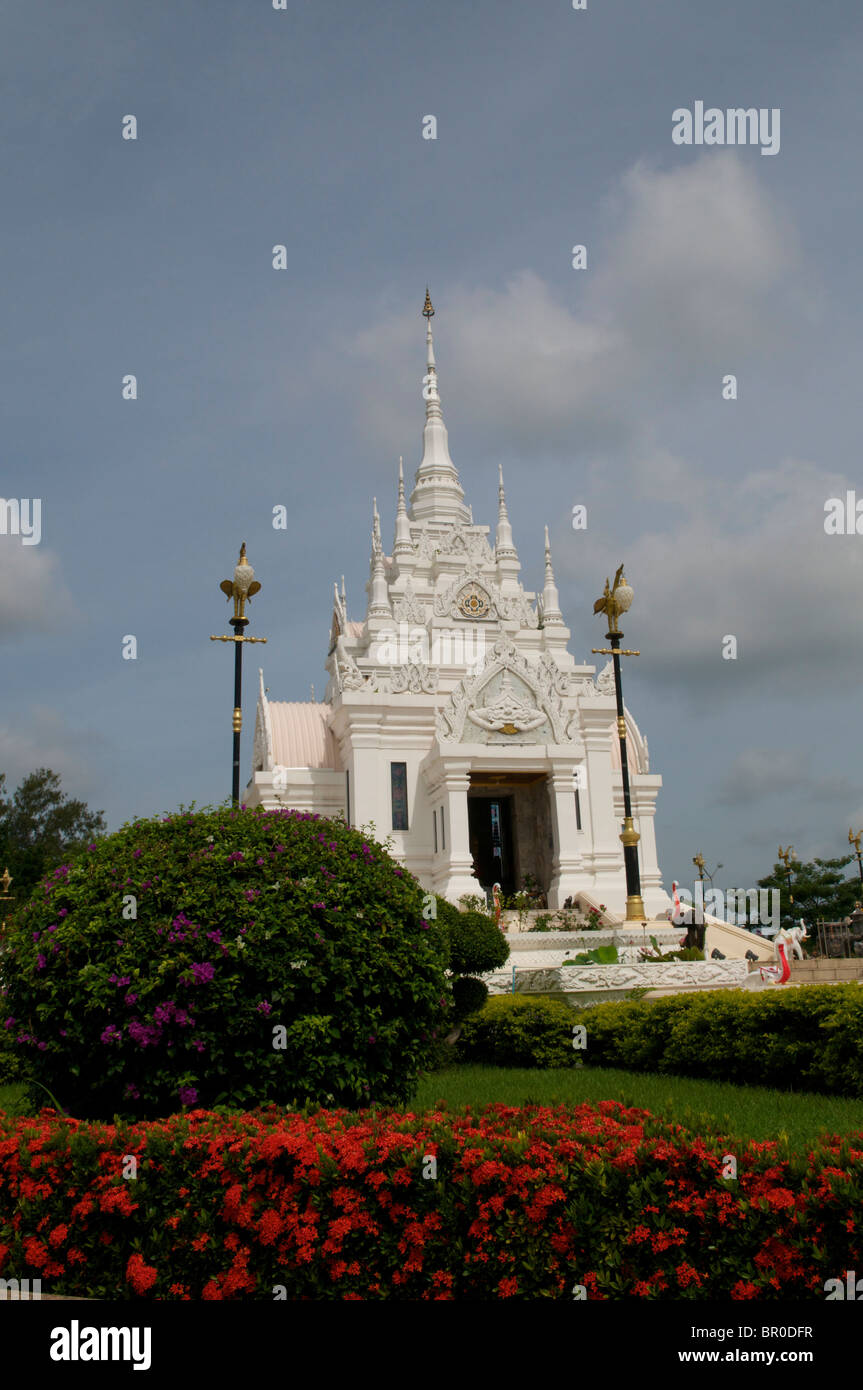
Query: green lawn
{"x": 747, "y": 1112}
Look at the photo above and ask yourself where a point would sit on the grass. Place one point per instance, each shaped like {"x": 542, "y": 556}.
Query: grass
{"x": 743, "y": 1112}
{"x": 703, "y": 1107}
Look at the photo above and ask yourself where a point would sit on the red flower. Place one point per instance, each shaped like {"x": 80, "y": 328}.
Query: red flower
{"x": 140, "y": 1275}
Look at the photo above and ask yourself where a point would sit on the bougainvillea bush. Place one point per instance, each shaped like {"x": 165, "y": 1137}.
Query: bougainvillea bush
{"x": 225, "y": 957}
{"x": 533, "y": 1202}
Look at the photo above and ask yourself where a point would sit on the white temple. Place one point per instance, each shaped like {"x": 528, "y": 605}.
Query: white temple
{"x": 455, "y": 719}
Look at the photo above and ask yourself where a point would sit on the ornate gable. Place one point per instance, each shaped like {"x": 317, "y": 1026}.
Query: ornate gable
{"x": 507, "y": 696}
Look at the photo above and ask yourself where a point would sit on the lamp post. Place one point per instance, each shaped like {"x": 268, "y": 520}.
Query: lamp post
{"x": 240, "y": 589}
{"x": 787, "y": 856}
{"x": 614, "y": 601}
{"x": 855, "y": 841}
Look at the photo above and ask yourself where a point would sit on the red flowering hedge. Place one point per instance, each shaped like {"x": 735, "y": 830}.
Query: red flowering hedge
{"x": 342, "y": 1205}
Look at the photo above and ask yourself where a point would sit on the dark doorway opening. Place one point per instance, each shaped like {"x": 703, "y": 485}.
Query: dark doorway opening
{"x": 490, "y": 829}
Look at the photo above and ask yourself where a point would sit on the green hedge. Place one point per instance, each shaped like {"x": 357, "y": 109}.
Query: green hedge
{"x": 514, "y": 1030}
{"x": 808, "y": 1039}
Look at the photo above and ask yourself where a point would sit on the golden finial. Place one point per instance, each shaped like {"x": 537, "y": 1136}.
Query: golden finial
{"x": 5, "y": 882}
{"x": 427, "y": 307}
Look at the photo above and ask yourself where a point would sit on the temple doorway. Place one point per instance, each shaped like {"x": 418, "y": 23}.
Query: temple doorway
{"x": 509, "y": 824}
{"x": 490, "y": 828}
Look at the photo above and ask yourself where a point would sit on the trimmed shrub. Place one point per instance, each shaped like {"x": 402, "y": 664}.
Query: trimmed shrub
{"x": 803, "y": 1039}
{"x": 230, "y": 957}
{"x": 468, "y": 994}
{"x": 333, "y": 1206}
{"x": 476, "y": 944}
{"x": 519, "y": 1030}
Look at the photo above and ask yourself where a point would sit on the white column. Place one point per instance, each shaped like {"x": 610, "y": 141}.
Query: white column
{"x": 566, "y": 866}
{"x": 455, "y": 872}
{"x": 370, "y": 773}
{"x": 604, "y": 857}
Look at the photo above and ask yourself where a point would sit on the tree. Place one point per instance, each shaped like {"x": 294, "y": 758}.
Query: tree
{"x": 819, "y": 888}
{"x": 41, "y": 827}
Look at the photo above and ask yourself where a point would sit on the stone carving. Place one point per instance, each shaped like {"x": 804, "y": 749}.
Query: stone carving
{"x": 505, "y": 607}
{"x": 446, "y": 605}
{"x": 507, "y": 714}
{"x": 574, "y": 979}
{"x": 605, "y": 680}
{"x": 457, "y": 540}
{"x": 541, "y": 680}
{"x": 516, "y": 608}
{"x": 409, "y": 609}
{"x": 414, "y": 677}
{"x": 349, "y": 675}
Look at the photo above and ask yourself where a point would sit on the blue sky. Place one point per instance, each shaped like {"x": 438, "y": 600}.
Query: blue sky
{"x": 302, "y": 387}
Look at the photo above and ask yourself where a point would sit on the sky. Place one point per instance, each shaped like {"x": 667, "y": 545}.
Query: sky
{"x": 600, "y": 386}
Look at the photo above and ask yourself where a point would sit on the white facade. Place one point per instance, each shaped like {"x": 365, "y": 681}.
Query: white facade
{"x": 458, "y": 686}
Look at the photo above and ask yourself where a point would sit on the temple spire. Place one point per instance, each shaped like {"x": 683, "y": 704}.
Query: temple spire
{"x": 437, "y": 494}
{"x": 379, "y": 602}
{"x": 403, "y": 544}
{"x": 551, "y": 614}
{"x": 503, "y": 543}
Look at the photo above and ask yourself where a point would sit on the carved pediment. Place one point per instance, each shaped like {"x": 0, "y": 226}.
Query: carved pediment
{"x": 508, "y": 695}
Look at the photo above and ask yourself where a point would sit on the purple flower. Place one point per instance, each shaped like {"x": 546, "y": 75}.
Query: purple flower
{"x": 42, "y": 1046}
{"x": 372, "y": 1038}
{"x": 132, "y": 1090}
{"x": 36, "y": 935}
{"x": 196, "y": 1043}
{"x": 264, "y": 1007}
{"x": 41, "y": 962}
{"x": 130, "y": 998}
{"x": 142, "y": 1035}
{"x": 252, "y": 893}
{"x": 137, "y": 854}
{"x": 319, "y": 905}
{"x": 62, "y": 1032}
{"x": 188, "y": 1095}
{"x": 203, "y": 972}
{"x": 64, "y": 912}
{"x": 234, "y": 856}
{"x": 10, "y": 1022}
{"x": 110, "y": 1034}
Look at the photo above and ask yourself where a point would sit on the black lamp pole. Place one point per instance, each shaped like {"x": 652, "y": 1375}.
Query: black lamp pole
{"x": 616, "y": 600}
{"x": 240, "y": 589}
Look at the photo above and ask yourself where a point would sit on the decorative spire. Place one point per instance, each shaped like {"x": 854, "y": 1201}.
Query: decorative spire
{"x": 437, "y": 494}
{"x": 504, "y": 545}
{"x": 376, "y": 529}
{"x": 551, "y": 614}
{"x": 402, "y": 545}
{"x": 379, "y": 599}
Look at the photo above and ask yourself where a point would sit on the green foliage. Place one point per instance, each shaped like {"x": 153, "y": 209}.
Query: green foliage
{"x": 476, "y": 944}
{"x": 807, "y": 1039}
{"x": 683, "y": 953}
{"x": 39, "y": 827}
{"x": 518, "y": 1030}
{"x": 468, "y": 994}
{"x": 820, "y": 890}
{"x": 247, "y": 921}
{"x": 597, "y": 955}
